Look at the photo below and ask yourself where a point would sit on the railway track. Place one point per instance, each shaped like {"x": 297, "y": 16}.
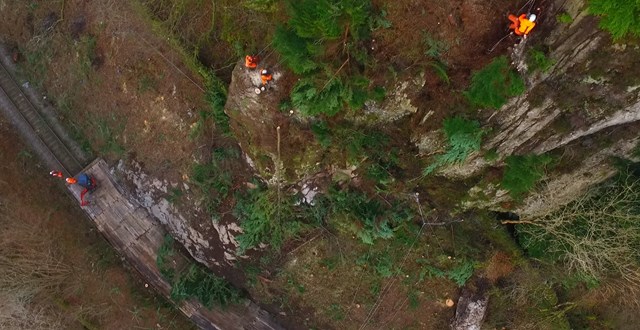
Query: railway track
{"x": 34, "y": 127}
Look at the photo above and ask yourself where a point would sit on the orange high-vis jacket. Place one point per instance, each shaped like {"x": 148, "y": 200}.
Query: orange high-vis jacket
{"x": 266, "y": 78}
{"x": 525, "y": 25}
{"x": 251, "y": 62}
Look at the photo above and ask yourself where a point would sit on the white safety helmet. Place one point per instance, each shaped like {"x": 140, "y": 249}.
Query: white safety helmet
{"x": 264, "y": 71}
{"x": 532, "y": 17}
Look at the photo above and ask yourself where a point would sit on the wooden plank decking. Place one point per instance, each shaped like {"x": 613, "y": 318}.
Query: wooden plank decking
{"x": 137, "y": 236}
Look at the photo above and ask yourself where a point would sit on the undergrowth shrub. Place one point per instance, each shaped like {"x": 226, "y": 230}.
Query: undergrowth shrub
{"x": 216, "y": 97}
{"x": 297, "y": 54}
{"x": 463, "y": 137}
{"x": 621, "y": 18}
{"x": 459, "y": 271}
{"x": 538, "y": 60}
{"x": 596, "y": 236}
{"x": 321, "y": 42}
{"x": 523, "y": 172}
{"x": 494, "y": 84}
{"x": 368, "y": 218}
{"x": 322, "y": 133}
{"x": 267, "y": 218}
{"x": 215, "y": 178}
{"x": 194, "y": 282}
{"x": 199, "y": 283}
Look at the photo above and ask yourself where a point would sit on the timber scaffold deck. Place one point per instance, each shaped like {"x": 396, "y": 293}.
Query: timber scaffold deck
{"x": 137, "y": 236}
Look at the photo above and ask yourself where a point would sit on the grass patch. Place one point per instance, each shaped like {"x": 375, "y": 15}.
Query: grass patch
{"x": 523, "y": 172}
{"x": 107, "y": 132}
{"x": 86, "y": 52}
{"x": 463, "y": 137}
{"x": 163, "y": 258}
{"x": 494, "y": 84}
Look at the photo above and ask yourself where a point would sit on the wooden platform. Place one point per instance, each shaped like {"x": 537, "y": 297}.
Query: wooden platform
{"x": 137, "y": 236}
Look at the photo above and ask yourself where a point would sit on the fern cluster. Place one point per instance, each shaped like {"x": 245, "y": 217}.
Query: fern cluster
{"x": 265, "y": 218}
{"x": 523, "y": 172}
{"x": 494, "y": 84}
{"x": 463, "y": 137}
{"x": 366, "y": 217}
{"x": 621, "y": 18}
{"x": 216, "y": 97}
{"x": 310, "y": 39}
{"x": 199, "y": 283}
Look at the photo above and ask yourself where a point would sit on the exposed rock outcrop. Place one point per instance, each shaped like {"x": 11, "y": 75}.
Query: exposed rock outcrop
{"x": 590, "y": 92}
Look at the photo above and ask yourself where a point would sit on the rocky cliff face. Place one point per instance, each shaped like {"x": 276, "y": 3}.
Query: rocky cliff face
{"x": 587, "y": 107}
{"x": 278, "y": 145}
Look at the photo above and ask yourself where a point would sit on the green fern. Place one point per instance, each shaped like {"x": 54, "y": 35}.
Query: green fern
{"x": 621, "y": 18}
{"x": 211, "y": 290}
{"x": 523, "y": 172}
{"x": 494, "y": 84}
{"x": 295, "y": 51}
{"x": 366, "y": 217}
{"x": 265, "y": 219}
{"x": 463, "y": 137}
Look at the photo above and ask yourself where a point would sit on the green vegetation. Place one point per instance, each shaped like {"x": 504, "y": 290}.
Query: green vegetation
{"x": 564, "y": 18}
{"x": 459, "y": 271}
{"x": 523, "y": 172}
{"x": 621, "y": 18}
{"x": 199, "y": 283}
{"x": 107, "y": 136}
{"x": 194, "y": 282}
{"x": 214, "y": 178}
{"x": 367, "y": 218}
{"x": 308, "y": 42}
{"x": 433, "y": 47}
{"x": 216, "y": 97}
{"x": 267, "y": 216}
{"x": 260, "y": 5}
{"x": 596, "y": 236}
{"x": 322, "y": 133}
{"x": 538, "y": 61}
{"x": 494, "y": 84}
{"x": 463, "y": 137}
{"x": 163, "y": 258}
{"x": 86, "y": 52}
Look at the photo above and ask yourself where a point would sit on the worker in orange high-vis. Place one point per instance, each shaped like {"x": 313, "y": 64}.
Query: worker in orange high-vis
{"x": 266, "y": 77}
{"x": 86, "y": 182}
{"x": 251, "y": 61}
{"x": 522, "y": 25}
